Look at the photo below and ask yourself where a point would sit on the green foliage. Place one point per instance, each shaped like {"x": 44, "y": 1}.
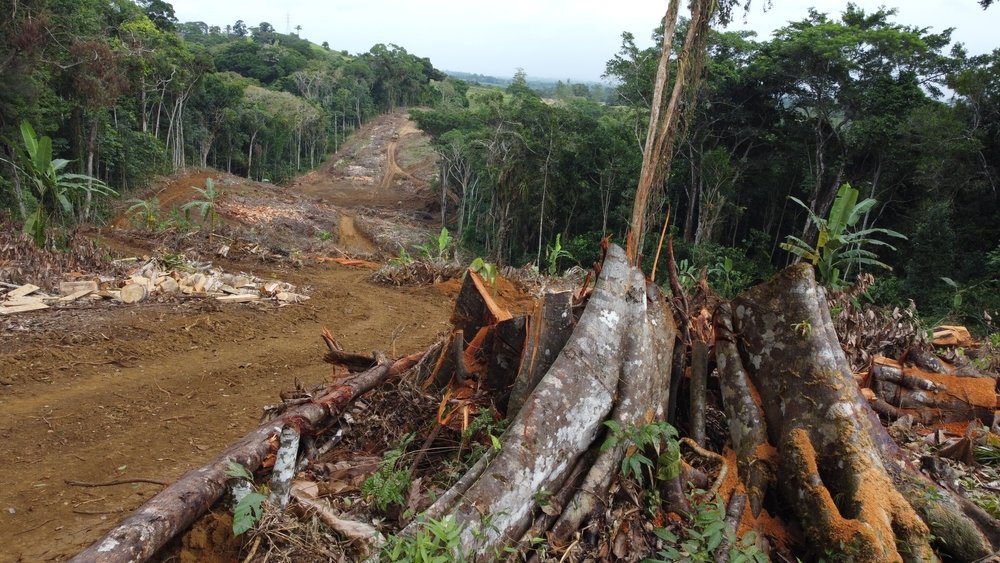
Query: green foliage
{"x": 989, "y": 452}
{"x": 247, "y": 512}
{"x": 703, "y": 536}
{"x": 837, "y": 247}
{"x": 687, "y": 274}
{"x": 435, "y": 541}
{"x": 249, "y": 508}
{"x": 636, "y": 439}
{"x": 207, "y": 206}
{"x": 486, "y": 269}
{"x": 437, "y": 249}
{"x": 324, "y": 235}
{"x": 54, "y": 189}
{"x": 144, "y": 213}
{"x": 554, "y": 253}
{"x": 402, "y": 259}
{"x": 485, "y": 425}
{"x": 389, "y": 484}
{"x": 723, "y": 276}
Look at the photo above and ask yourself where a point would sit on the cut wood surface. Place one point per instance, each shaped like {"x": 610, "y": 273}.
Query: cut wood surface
{"x": 549, "y": 327}
{"x": 243, "y": 298}
{"x": 558, "y": 422}
{"x": 76, "y": 295}
{"x": 4, "y": 310}
{"x": 132, "y": 293}
{"x": 475, "y": 304}
{"x": 22, "y": 291}
{"x": 949, "y": 335}
{"x": 71, "y": 287}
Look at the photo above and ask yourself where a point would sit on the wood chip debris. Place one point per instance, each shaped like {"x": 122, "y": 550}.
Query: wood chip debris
{"x": 151, "y": 278}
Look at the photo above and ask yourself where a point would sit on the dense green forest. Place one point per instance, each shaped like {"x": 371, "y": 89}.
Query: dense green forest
{"x": 125, "y": 93}
{"x": 852, "y": 98}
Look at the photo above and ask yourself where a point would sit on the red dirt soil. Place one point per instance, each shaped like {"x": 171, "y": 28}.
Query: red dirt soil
{"x": 95, "y": 394}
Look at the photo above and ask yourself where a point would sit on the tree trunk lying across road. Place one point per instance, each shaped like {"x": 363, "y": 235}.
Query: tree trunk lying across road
{"x": 175, "y": 508}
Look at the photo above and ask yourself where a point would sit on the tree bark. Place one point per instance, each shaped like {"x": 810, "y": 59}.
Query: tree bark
{"x": 850, "y": 487}
{"x": 614, "y": 363}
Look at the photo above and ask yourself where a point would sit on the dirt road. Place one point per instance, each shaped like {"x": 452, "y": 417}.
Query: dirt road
{"x": 150, "y": 391}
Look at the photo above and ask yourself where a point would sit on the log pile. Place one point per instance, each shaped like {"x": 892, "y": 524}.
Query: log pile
{"x": 148, "y": 280}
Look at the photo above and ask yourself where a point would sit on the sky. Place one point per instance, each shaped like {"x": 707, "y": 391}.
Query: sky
{"x": 557, "y": 39}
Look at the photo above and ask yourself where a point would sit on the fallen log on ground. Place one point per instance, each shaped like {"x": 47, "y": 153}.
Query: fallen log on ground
{"x": 932, "y": 397}
{"x": 171, "y": 511}
{"x": 852, "y": 490}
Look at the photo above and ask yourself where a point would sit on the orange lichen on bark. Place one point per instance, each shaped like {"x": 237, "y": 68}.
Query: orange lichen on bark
{"x": 953, "y": 428}
{"x": 883, "y": 515}
{"x": 731, "y": 482}
{"x": 764, "y": 524}
{"x": 767, "y": 452}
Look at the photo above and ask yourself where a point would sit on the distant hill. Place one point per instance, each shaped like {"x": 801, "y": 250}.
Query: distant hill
{"x": 546, "y": 87}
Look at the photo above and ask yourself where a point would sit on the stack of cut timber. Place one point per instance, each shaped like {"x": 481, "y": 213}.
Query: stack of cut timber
{"x": 19, "y": 300}
{"x": 151, "y": 279}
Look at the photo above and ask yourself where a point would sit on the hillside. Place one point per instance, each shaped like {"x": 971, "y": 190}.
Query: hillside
{"x": 97, "y": 391}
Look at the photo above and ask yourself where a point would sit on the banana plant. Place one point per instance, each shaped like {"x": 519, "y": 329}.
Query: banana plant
{"x": 837, "y": 246}
{"x": 52, "y": 188}
{"x": 554, "y": 253}
{"x": 207, "y": 206}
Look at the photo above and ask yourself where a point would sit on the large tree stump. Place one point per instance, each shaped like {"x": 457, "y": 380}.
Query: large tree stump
{"x": 614, "y": 363}
{"x": 849, "y": 486}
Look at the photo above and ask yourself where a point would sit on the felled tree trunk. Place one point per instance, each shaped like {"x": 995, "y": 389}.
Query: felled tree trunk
{"x": 616, "y": 362}
{"x": 852, "y": 490}
{"x": 171, "y": 511}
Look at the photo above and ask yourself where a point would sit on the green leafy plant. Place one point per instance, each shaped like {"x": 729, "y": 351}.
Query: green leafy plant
{"x": 486, "y": 269}
{"x": 435, "y": 541}
{"x": 724, "y": 276}
{"x": 637, "y": 439}
{"x": 53, "y": 188}
{"x": 249, "y": 508}
{"x": 388, "y": 485}
{"x": 403, "y": 259}
{"x": 837, "y": 246}
{"x": 554, "y": 253}
{"x": 324, "y": 235}
{"x": 437, "y": 249}
{"x": 207, "y": 206}
{"x": 144, "y": 213}
{"x": 687, "y": 274}
{"x": 704, "y": 535}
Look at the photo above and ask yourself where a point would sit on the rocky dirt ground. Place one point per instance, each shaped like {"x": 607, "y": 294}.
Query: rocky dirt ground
{"x": 95, "y": 392}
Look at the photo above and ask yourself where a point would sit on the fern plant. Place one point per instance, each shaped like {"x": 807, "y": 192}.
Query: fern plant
{"x": 837, "y": 246}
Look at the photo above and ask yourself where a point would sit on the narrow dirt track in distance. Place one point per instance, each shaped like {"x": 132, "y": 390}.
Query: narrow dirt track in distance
{"x": 105, "y": 393}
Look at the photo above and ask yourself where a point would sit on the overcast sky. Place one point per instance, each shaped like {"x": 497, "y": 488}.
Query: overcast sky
{"x": 548, "y": 38}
